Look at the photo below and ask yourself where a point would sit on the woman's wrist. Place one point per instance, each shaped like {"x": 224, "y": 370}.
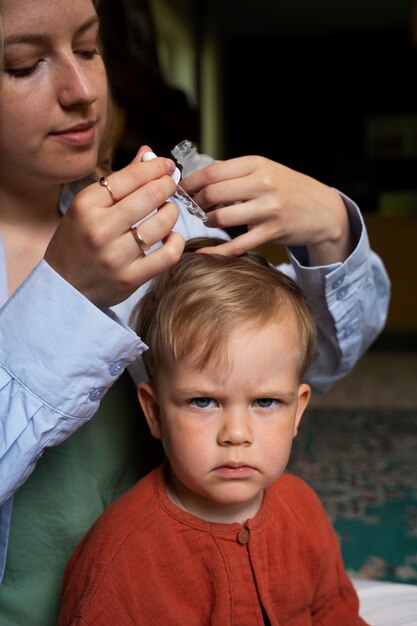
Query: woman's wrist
{"x": 337, "y": 243}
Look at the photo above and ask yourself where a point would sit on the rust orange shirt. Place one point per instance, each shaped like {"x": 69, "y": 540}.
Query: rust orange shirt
{"x": 148, "y": 563}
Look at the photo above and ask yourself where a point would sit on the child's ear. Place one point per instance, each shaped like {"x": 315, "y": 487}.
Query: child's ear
{"x": 303, "y": 398}
{"x": 149, "y": 402}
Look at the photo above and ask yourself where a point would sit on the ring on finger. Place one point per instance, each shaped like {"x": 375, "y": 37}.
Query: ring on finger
{"x": 103, "y": 180}
{"x": 139, "y": 240}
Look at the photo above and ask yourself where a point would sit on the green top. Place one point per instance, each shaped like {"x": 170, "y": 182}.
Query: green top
{"x": 71, "y": 486}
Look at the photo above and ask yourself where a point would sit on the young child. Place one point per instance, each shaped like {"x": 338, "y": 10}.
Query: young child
{"x": 218, "y": 534}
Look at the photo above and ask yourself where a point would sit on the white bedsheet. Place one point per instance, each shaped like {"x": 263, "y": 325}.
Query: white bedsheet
{"x": 387, "y": 604}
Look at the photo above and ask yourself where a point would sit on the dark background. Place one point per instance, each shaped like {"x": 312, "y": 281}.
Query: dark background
{"x": 308, "y": 105}
{"x": 299, "y": 83}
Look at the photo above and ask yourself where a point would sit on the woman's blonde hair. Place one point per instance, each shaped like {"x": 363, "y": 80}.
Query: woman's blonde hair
{"x": 113, "y": 132}
{"x": 1, "y": 45}
{"x": 190, "y": 310}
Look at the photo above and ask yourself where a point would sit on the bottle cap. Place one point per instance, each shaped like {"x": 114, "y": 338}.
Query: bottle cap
{"x": 182, "y": 149}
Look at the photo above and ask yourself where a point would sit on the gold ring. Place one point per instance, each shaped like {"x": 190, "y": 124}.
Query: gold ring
{"x": 105, "y": 183}
{"x": 141, "y": 242}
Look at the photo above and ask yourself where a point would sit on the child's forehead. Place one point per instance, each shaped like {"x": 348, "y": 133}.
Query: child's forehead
{"x": 256, "y": 357}
{"x": 228, "y": 346}
{"x": 241, "y": 329}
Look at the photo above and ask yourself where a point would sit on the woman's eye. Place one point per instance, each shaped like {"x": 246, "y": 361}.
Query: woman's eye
{"x": 88, "y": 54}
{"x": 19, "y": 72}
{"x": 203, "y": 403}
{"x": 266, "y": 403}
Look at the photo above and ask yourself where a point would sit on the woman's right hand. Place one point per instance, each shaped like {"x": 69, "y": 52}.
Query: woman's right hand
{"x": 276, "y": 203}
{"x": 93, "y": 247}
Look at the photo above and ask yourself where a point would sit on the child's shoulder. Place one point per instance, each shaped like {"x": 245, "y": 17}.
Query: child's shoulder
{"x": 126, "y": 522}
{"x": 131, "y": 510}
{"x": 292, "y": 483}
{"x": 297, "y": 506}
{"x": 110, "y": 548}
{"x": 295, "y": 492}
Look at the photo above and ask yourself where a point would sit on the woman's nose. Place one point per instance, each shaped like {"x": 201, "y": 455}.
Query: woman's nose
{"x": 235, "y": 429}
{"x": 76, "y": 85}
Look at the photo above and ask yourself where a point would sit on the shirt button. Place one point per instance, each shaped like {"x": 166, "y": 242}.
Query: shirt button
{"x": 342, "y": 293}
{"x": 117, "y": 367}
{"x": 243, "y": 536}
{"x": 97, "y": 394}
{"x": 347, "y": 332}
{"x": 338, "y": 281}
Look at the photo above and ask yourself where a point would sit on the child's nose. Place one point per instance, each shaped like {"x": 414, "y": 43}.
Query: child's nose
{"x": 236, "y": 429}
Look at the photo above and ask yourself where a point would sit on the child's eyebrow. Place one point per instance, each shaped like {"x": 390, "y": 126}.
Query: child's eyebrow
{"x": 34, "y": 38}
{"x": 196, "y": 392}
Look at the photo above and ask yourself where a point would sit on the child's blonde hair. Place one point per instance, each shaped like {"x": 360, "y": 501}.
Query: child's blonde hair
{"x": 190, "y": 310}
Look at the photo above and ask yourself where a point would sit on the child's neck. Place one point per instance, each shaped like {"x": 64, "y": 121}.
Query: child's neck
{"x": 209, "y": 510}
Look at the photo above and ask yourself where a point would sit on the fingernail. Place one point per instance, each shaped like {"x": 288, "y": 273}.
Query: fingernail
{"x": 171, "y": 165}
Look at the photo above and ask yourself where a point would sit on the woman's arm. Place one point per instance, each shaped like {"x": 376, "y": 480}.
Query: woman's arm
{"x": 58, "y": 356}
{"x": 349, "y": 302}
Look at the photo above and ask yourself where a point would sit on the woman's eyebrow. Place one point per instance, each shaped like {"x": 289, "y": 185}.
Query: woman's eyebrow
{"x": 25, "y": 38}
{"x": 33, "y": 38}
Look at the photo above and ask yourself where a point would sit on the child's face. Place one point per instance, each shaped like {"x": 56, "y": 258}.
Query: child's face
{"x": 227, "y": 430}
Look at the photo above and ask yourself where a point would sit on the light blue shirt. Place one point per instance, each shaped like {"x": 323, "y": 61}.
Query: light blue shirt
{"x": 59, "y": 353}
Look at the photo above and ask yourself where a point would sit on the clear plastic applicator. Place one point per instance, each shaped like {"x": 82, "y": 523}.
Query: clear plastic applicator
{"x": 181, "y": 195}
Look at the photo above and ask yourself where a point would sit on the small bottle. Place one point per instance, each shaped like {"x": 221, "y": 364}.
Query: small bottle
{"x": 181, "y": 195}
{"x": 186, "y": 155}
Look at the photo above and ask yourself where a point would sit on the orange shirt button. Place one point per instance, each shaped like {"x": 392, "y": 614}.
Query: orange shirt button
{"x": 243, "y": 536}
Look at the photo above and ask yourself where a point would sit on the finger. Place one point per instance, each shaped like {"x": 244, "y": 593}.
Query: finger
{"x": 220, "y": 171}
{"x": 242, "y": 188}
{"x": 141, "y": 152}
{"x": 239, "y": 245}
{"x": 246, "y": 213}
{"x": 127, "y": 180}
{"x": 155, "y": 228}
{"x": 146, "y": 267}
{"x": 141, "y": 203}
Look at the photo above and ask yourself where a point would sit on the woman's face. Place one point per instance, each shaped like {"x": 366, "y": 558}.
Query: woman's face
{"x": 53, "y": 92}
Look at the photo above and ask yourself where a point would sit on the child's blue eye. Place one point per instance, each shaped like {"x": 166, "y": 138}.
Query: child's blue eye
{"x": 203, "y": 403}
{"x": 266, "y": 403}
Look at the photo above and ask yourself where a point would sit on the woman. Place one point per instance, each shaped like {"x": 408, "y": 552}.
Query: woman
{"x": 67, "y": 257}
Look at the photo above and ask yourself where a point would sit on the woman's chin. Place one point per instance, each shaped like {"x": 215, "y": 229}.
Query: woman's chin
{"x": 78, "y": 172}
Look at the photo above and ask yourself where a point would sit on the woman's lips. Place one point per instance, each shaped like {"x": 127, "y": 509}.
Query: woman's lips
{"x": 79, "y": 135}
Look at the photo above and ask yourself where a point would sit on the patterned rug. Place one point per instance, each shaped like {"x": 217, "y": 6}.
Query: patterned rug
{"x": 363, "y": 466}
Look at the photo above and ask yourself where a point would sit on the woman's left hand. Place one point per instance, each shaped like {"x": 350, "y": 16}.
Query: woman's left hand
{"x": 276, "y": 204}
